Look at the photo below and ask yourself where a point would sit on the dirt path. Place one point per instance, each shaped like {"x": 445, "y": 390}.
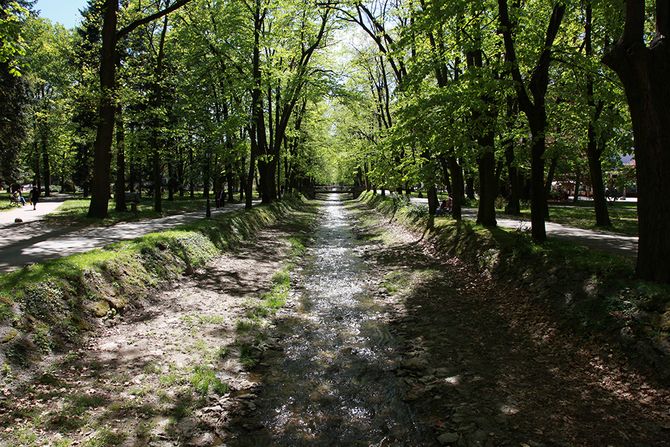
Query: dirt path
{"x": 164, "y": 375}
{"x": 27, "y": 213}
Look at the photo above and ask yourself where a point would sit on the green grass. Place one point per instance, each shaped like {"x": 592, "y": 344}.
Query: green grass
{"x": 582, "y": 215}
{"x": 4, "y": 202}
{"x": 106, "y": 438}
{"x": 74, "y": 211}
{"x": 204, "y": 379}
{"x": 249, "y": 356}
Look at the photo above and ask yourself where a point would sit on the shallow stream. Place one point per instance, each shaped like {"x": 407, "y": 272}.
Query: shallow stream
{"x": 332, "y": 380}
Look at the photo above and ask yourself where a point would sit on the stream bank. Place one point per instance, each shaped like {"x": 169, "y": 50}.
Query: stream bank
{"x": 169, "y": 372}
{"x": 487, "y": 363}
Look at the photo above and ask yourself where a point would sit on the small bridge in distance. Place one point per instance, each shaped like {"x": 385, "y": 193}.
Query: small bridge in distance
{"x": 333, "y": 188}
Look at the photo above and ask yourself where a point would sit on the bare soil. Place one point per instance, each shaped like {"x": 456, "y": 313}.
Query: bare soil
{"x": 167, "y": 374}
{"x": 487, "y": 364}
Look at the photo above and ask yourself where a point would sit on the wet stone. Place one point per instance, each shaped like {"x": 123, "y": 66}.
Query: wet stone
{"x": 448, "y": 438}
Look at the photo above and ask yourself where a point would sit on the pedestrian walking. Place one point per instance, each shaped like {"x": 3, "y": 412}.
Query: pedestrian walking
{"x": 34, "y": 196}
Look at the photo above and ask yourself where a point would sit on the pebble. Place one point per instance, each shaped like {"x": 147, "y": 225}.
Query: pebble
{"x": 447, "y": 438}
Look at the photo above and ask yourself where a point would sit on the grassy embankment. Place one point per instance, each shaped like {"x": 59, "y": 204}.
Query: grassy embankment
{"x": 45, "y": 307}
{"x": 591, "y": 292}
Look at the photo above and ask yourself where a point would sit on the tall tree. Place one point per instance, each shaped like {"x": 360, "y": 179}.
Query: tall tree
{"x": 13, "y": 89}
{"x": 107, "y": 106}
{"x": 644, "y": 70}
{"x": 531, "y": 95}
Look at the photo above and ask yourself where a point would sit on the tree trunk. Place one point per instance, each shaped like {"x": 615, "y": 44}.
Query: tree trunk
{"x": 645, "y": 74}
{"x": 593, "y": 152}
{"x": 456, "y": 174}
{"x": 172, "y": 181}
{"x": 206, "y": 179}
{"x": 538, "y": 196}
{"x": 445, "y": 172}
{"x": 230, "y": 180}
{"x": 158, "y": 178}
{"x": 191, "y": 173}
{"x": 133, "y": 174}
{"x": 578, "y": 186}
{"x": 433, "y": 201}
{"x": 533, "y": 105}
{"x": 103, "y": 141}
{"x": 120, "y": 183}
{"x": 156, "y": 139}
{"x": 513, "y": 205}
{"x": 488, "y": 186}
{"x": 38, "y": 171}
{"x": 548, "y": 183}
{"x": 243, "y": 180}
{"x": 470, "y": 186}
{"x": 46, "y": 169}
{"x": 249, "y": 187}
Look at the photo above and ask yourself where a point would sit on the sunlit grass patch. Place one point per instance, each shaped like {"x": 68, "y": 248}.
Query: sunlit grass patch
{"x": 247, "y": 324}
{"x": 195, "y": 320}
{"x": 204, "y": 379}
{"x": 106, "y": 438}
{"x": 297, "y": 246}
{"x": 248, "y": 355}
{"x": 76, "y": 210}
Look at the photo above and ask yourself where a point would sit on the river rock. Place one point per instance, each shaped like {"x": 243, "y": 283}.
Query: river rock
{"x": 99, "y": 308}
{"x": 204, "y": 440}
{"x": 414, "y": 364}
{"x": 447, "y": 438}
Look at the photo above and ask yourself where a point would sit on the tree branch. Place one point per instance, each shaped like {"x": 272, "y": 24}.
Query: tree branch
{"x": 150, "y": 18}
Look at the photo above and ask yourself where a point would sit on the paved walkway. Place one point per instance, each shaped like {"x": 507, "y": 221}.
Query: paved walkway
{"x": 27, "y": 214}
{"x": 37, "y": 241}
{"x": 598, "y": 240}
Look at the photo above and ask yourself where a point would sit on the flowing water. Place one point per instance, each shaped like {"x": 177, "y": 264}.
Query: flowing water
{"x": 332, "y": 381}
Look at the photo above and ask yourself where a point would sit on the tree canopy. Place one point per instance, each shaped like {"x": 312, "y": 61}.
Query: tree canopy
{"x": 501, "y": 102}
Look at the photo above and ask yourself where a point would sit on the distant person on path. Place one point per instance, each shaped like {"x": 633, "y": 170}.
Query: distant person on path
{"x": 444, "y": 209}
{"x": 220, "y": 197}
{"x": 34, "y": 197}
{"x": 19, "y": 198}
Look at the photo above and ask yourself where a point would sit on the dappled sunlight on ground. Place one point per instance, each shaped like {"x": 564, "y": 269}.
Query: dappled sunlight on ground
{"x": 490, "y": 365}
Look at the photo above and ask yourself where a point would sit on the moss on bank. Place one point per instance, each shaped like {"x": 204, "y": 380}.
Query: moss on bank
{"x": 46, "y": 307}
{"x": 590, "y": 292}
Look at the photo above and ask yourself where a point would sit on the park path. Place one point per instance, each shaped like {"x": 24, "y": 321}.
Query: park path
{"x": 599, "y": 240}
{"x": 39, "y": 240}
{"x": 28, "y": 214}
